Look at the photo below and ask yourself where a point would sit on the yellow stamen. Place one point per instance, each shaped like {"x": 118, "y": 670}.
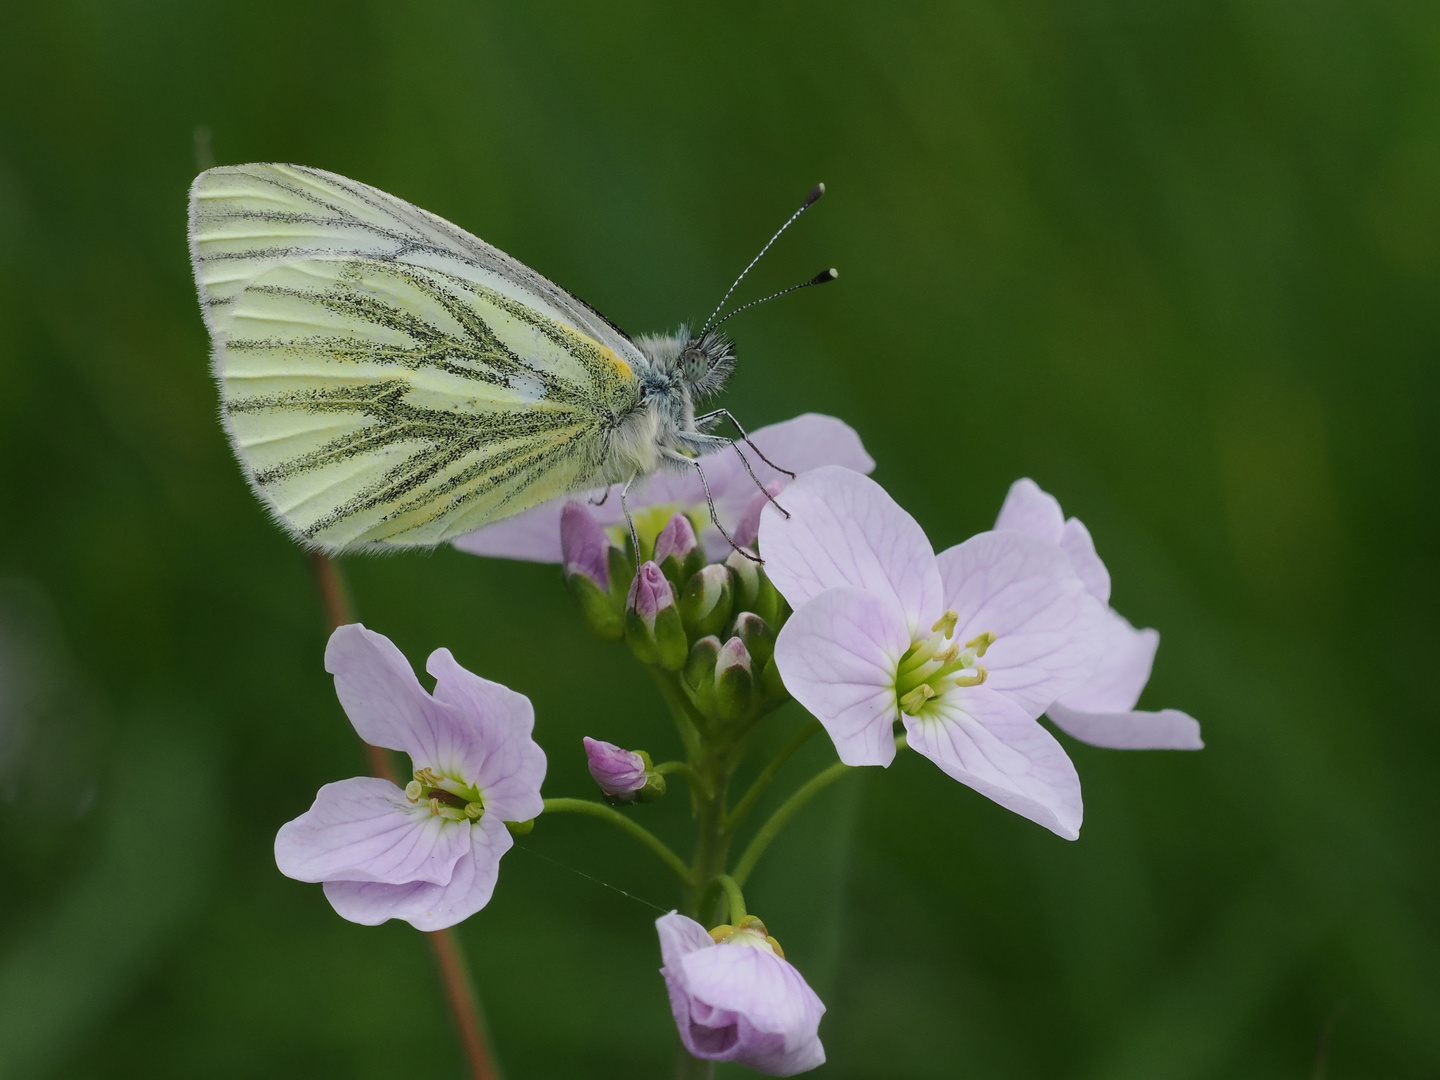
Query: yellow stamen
{"x": 946, "y": 623}
{"x": 981, "y": 643}
{"x": 915, "y": 700}
{"x": 972, "y": 680}
{"x": 474, "y": 810}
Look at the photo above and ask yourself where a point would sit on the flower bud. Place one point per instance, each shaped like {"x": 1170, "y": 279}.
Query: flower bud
{"x": 677, "y": 551}
{"x": 734, "y": 683}
{"x": 589, "y": 562}
{"x": 744, "y": 578}
{"x": 623, "y": 775}
{"x": 706, "y": 601}
{"x": 699, "y": 673}
{"x": 652, "y": 622}
{"x": 768, "y": 603}
{"x": 759, "y": 641}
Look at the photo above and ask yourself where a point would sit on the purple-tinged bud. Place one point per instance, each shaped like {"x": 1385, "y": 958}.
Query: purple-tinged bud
{"x": 705, "y": 605}
{"x": 734, "y": 682}
{"x": 747, "y": 529}
{"x": 652, "y": 622}
{"x": 584, "y": 547}
{"x": 677, "y": 551}
{"x": 759, "y": 641}
{"x": 623, "y": 775}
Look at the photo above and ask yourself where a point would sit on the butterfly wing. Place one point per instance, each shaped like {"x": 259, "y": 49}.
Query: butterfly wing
{"x": 387, "y": 379}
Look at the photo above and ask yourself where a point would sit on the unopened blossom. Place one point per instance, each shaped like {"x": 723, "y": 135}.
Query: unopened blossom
{"x": 584, "y": 546}
{"x": 623, "y": 775}
{"x": 428, "y": 853}
{"x": 736, "y": 998}
{"x": 804, "y": 442}
{"x": 967, "y": 648}
{"x": 1102, "y": 711}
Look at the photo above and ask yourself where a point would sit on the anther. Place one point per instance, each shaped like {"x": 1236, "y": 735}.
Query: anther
{"x": 946, "y": 623}
{"x": 915, "y": 700}
{"x": 434, "y": 806}
{"x": 413, "y": 790}
{"x": 981, "y": 643}
{"x": 474, "y": 810}
{"x": 973, "y": 680}
{"x": 947, "y": 654}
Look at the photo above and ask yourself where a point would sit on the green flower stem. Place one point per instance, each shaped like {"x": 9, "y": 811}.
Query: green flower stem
{"x": 761, "y": 782}
{"x": 614, "y": 817}
{"x": 687, "y": 719}
{"x": 665, "y": 768}
{"x": 783, "y": 813}
{"x": 735, "y": 897}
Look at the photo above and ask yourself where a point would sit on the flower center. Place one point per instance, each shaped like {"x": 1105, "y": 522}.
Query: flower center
{"x": 748, "y": 931}
{"x": 931, "y": 667}
{"x": 448, "y": 798}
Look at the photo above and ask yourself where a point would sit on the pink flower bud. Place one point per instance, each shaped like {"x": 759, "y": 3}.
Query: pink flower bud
{"x": 677, "y": 539}
{"x": 584, "y": 547}
{"x": 616, "y": 770}
{"x": 748, "y": 527}
{"x": 650, "y": 594}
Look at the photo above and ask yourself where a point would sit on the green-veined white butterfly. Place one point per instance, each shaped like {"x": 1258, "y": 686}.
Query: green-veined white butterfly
{"x": 387, "y": 379}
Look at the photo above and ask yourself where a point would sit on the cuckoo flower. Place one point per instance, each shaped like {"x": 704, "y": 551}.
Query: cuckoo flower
{"x": 736, "y": 998}
{"x": 1101, "y": 712}
{"x": 623, "y": 775}
{"x": 885, "y": 630}
{"x": 804, "y": 442}
{"x": 428, "y": 853}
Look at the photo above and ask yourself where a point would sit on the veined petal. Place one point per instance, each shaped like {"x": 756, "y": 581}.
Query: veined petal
{"x": 986, "y": 741}
{"x": 679, "y": 936}
{"x": 1029, "y": 509}
{"x": 845, "y": 530}
{"x": 364, "y": 829}
{"x": 1049, "y": 629}
{"x": 385, "y": 702}
{"x": 1123, "y": 671}
{"x": 532, "y": 535}
{"x": 837, "y": 655}
{"x": 1076, "y": 542}
{"x": 491, "y": 747}
{"x": 426, "y": 906}
{"x": 1168, "y": 729}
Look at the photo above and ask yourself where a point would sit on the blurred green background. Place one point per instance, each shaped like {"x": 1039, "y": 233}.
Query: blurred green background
{"x": 1177, "y": 262}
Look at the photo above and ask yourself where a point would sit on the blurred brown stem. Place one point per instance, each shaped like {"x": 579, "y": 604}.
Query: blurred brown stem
{"x": 449, "y": 958}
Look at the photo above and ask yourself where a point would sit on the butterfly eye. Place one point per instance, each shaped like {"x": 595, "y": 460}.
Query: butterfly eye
{"x": 694, "y": 365}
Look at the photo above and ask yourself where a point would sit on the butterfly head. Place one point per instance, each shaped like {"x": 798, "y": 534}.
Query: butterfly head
{"x": 692, "y": 367}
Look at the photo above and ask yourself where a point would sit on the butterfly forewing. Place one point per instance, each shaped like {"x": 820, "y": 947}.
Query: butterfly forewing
{"x": 383, "y": 380}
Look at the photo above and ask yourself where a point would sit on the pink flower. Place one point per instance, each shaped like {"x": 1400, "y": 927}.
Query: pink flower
{"x": 885, "y": 630}
{"x": 1102, "y": 711}
{"x": 618, "y": 771}
{"x": 428, "y": 854}
{"x": 802, "y": 443}
{"x": 737, "y": 998}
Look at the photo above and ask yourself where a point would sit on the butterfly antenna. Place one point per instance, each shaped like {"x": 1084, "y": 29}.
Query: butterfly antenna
{"x": 819, "y": 279}
{"x": 813, "y": 197}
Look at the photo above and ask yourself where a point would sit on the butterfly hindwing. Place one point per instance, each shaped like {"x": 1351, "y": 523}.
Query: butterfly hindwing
{"x": 383, "y": 380}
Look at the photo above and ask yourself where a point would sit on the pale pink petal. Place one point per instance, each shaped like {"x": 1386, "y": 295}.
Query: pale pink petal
{"x": 493, "y": 749}
{"x": 837, "y": 656}
{"x": 1049, "y": 629}
{"x": 1029, "y": 509}
{"x": 844, "y": 530}
{"x": 364, "y": 829}
{"x": 426, "y": 906}
{"x": 1168, "y": 729}
{"x": 1075, "y": 540}
{"x": 983, "y": 739}
{"x": 1123, "y": 671}
{"x": 679, "y": 936}
{"x": 532, "y": 535}
{"x": 384, "y": 700}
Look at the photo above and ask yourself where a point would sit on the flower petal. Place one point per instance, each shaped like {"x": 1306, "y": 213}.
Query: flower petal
{"x": 1049, "y": 629}
{"x": 1168, "y": 729}
{"x": 1075, "y": 540}
{"x": 844, "y": 529}
{"x": 1029, "y": 509}
{"x": 1123, "y": 671}
{"x": 986, "y": 741}
{"x": 680, "y": 936}
{"x": 837, "y": 655}
{"x": 385, "y": 702}
{"x": 493, "y": 748}
{"x": 365, "y": 829}
{"x": 426, "y": 906}
{"x": 532, "y": 535}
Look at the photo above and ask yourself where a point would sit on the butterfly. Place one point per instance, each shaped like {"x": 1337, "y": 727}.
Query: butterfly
{"x": 389, "y": 380}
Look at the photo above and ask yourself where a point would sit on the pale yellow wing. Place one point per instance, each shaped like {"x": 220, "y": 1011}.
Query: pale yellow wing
{"x": 386, "y": 378}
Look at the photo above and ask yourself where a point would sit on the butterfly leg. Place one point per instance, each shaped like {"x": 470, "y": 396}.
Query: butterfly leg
{"x": 602, "y": 500}
{"x": 634, "y": 536}
{"x": 735, "y": 445}
{"x": 710, "y": 502}
{"x": 744, "y": 437}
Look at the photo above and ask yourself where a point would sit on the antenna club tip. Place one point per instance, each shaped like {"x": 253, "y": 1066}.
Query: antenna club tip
{"x": 824, "y": 276}
{"x": 815, "y": 193}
